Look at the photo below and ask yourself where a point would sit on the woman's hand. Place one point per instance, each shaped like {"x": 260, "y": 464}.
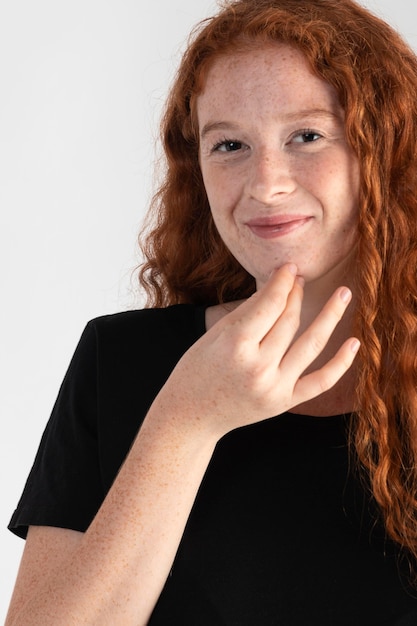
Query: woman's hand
{"x": 249, "y": 366}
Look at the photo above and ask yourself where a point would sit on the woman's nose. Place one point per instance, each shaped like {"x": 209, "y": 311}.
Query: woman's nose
{"x": 270, "y": 176}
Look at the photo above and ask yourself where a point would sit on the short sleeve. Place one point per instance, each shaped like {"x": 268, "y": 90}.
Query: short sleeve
{"x": 121, "y": 362}
{"x": 64, "y": 488}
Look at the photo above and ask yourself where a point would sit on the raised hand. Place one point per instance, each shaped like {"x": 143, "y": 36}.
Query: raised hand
{"x": 249, "y": 367}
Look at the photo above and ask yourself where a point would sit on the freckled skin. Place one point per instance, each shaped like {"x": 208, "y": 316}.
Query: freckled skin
{"x": 260, "y": 99}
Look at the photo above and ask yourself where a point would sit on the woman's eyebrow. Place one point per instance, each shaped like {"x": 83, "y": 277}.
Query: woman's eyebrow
{"x": 315, "y": 112}
{"x": 212, "y": 126}
{"x": 287, "y": 117}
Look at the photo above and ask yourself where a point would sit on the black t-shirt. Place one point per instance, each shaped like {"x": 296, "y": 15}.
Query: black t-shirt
{"x": 281, "y": 532}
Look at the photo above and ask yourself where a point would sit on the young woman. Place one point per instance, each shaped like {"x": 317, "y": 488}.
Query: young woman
{"x": 221, "y": 457}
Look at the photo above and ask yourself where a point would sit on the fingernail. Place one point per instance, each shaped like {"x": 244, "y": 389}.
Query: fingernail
{"x": 345, "y": 294}
{"x": 355, "y": 345}
{"x": 292, "y": 268}
{"x": 300, "y": 280}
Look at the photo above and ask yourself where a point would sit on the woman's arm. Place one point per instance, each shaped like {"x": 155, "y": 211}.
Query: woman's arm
{"x": 241, "y": 371}
{"x": 114, "y": 573}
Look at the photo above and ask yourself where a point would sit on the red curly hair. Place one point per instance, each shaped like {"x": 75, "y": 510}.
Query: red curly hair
{"x": 375, "y": 75}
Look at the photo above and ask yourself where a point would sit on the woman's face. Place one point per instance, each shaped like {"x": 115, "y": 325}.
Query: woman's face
{"x": 281, "y": 180}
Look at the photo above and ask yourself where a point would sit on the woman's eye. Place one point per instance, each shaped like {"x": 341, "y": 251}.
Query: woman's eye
{"x": 306, "y": 136}
{"x": 228, "y": 146}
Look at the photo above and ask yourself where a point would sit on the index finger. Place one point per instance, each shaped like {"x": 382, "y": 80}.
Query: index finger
{"x": 261, "y": 311}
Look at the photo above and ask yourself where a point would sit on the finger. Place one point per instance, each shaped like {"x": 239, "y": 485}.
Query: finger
{"x": 312, "y": 342}
{"x": 276, "y": 343}
{"x": 257, "y": 315}
{"x": 323, "y": 379}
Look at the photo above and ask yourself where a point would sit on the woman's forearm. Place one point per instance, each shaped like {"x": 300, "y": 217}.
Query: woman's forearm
{"x": 118, "y": 570}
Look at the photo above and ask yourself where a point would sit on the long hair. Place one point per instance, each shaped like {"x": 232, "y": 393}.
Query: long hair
{"x": 375, "y": 75}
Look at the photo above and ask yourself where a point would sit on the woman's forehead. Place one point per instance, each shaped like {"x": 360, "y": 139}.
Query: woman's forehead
{"x": 275, "y": 76}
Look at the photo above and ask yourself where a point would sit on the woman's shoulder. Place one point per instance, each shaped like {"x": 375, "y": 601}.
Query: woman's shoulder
{"x": 167, "y": 331}
{"x": 191, "y": 319}
{"x": 183, "y": 319}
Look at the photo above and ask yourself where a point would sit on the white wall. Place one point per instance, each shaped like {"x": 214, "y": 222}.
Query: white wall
{"x": 81, "y": 86}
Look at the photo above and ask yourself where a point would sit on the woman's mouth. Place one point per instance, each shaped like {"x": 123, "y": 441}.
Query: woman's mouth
{"x": 278, "y": 226}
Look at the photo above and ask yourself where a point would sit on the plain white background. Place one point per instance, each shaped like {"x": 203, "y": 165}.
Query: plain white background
{"x": 82, "y": 83}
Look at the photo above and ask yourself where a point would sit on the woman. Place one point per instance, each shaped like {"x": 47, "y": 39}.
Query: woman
{"x": 273, "y": 477}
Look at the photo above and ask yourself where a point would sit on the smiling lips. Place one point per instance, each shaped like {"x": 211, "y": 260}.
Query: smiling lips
{"x": 278, "y": 226}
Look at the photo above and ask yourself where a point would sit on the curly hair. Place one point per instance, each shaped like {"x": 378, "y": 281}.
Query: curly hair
{"x": 375, "y": 75}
